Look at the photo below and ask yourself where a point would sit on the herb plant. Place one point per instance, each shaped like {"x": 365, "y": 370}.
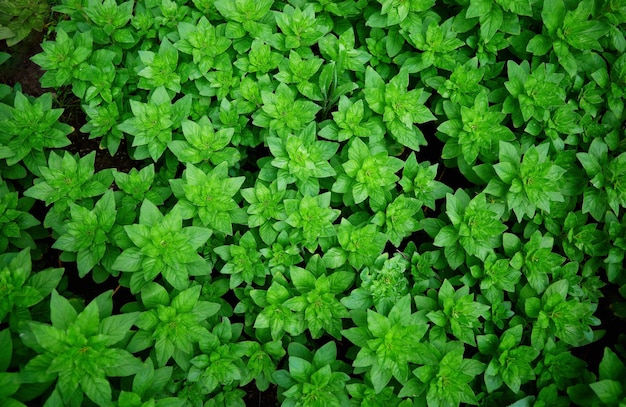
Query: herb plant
{"x": 338, "y": 203}
{"x": 19, "y": 18}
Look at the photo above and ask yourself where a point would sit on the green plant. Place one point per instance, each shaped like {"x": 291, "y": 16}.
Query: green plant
{"x": 445, "y": 375}
{"x": 62, "y": 57}
{"x": 28, "y": 128}
{"x": 19, "y": 18}
{"x": 510, "y": 363}
{"x": 208, "y": 197}
{"x": 302, "y": 159}
{"x": 313, "y": 378}
{"x": 526, "y": 184}
{"x": 454, "y": 310}
{"x": 15, "y": 221}
{"x": 20, "y": 288}
{"x": 77, "y": 350}
{"x": 341, "y": 202}
{"x": 388, "y": 344}
{"x": 569, "y": 320}
{"x": 368, "y": 173}
{"x": 475, "y": 227}
{"x": 152, "y": 123}
{"x": 88, "y": 237}
{"x": 161, "y": 245}
{"x": 608, "y": 390}
{"x": 65, "y": 180}
{"x": 172, "y": 326}
{"x": 317, "y": 303}
{"x": 243, "y": 262}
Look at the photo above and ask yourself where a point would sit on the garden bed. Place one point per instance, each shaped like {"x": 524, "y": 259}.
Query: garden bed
{"x": 314, "y": 203}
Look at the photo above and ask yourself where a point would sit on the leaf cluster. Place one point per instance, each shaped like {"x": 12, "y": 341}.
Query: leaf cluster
{"x": 347, "y": 202}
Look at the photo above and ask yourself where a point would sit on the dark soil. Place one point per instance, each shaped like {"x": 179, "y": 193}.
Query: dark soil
{"x": 82, "y": 144}
{"x": 19, "y": 69}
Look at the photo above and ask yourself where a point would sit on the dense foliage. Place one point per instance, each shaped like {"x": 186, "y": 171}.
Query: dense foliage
{"x": 352, "y": 203}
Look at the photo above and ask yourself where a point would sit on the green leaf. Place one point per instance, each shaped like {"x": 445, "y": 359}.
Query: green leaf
{"x": 380, "y": 378}
{"x": 532, "y": 307}
{"x": 487, "y": 344}
{"x": 299, "y": 368}
{"x": 116, "y": 327}
{"x": 552, "y": 14}
{"x": 129, "y": 260}
{"x": 302, "y": 279}
{"x": 325, "y": 355}
{"x": 581, "y": 33}
{"x": 97, "y": 388}
{"x": 153, "y": 294}
{"x": 608, "y": 391}
{"x": 374, "y": 90}
{"x": 611, "y": 367}
{"x": 62, "y": 313}
{"x": 478, "y": 8}
{"x": 447, "y": 236}
{"x": 6, "y": 349}
{"x": 335, "y": 258}
{"x": 490, "y": 22}
{"x": 520, "y": 7}
{"x": 185, "y": 301}
{"x": 539, "y": 45}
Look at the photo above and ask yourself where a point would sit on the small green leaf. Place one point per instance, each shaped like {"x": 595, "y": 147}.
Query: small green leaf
{"x": 62, "y": 313}
{"x": 611, "y": 367}
{"x": 608, "y": 391}
{"x": 6, "y": 349}
{"x": 552, "y": 14}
